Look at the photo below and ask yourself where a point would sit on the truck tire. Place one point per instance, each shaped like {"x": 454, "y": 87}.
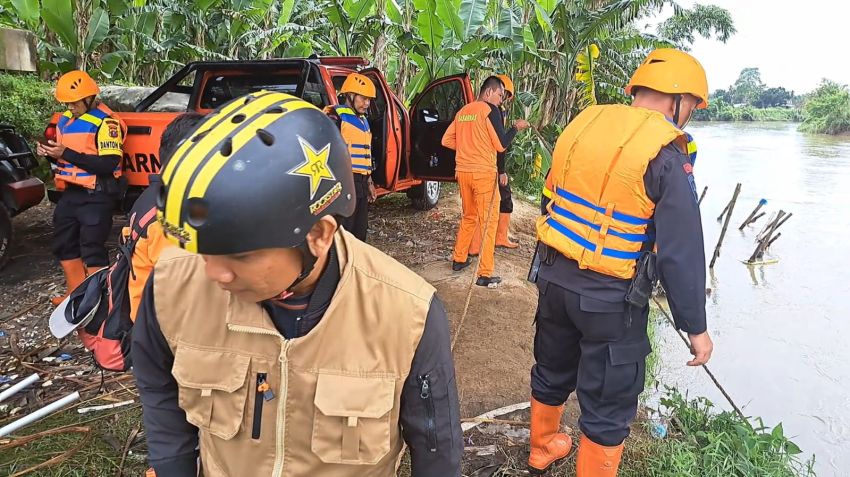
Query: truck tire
{"x": 425, "y": 196}
{"x": 5, "y": 235}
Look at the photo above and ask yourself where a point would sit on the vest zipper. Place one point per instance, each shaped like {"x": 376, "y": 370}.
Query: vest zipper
{"x": 430, "y": 424}
{"x": 281, "y": 409}
{"x": 281, "y": 402}
{"x": 262, "y": 393}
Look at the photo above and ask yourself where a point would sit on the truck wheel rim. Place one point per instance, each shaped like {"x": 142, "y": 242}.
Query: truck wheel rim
{"x": 432, "y": 190}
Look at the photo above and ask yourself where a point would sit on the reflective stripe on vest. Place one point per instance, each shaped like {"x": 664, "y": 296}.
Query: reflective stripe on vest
{"x": 599, "y": 213}
{"x": 357, "y": 135}
{"x": 80, "y": 135}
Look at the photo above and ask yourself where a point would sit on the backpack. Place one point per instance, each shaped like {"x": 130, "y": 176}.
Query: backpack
{"x": 108, "y": 334}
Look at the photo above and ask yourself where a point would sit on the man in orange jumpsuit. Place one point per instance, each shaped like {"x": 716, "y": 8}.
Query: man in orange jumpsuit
{"x": 478, "y": 135}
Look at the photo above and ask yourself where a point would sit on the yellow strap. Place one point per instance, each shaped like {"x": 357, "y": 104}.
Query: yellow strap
{"x": 603, "y": 232}
{"x": 547, "y": 193}
{"x": 92, "y": 119}
{"x": 692, "y": 147}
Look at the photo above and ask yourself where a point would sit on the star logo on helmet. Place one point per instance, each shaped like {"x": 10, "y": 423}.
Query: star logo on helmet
{"x": 315, "y": 165}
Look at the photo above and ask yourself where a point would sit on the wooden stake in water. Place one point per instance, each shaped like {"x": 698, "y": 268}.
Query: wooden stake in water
{"x": 754, "y": 219}
{"x": 764, "y": 239}
{"x": 702, "y": 196}
{"x": 730, "y": 208}
{"x": 755, "y": 211}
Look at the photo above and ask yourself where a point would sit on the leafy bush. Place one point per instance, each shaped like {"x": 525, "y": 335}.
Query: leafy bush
{"x": 26, "y": 103}
{"x": 827, "y": 111}
{"x": 720, "y": 110}
{"x": 711, "y": 444}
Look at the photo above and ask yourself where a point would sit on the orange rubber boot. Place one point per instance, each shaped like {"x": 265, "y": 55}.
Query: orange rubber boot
{"x": 75, "y": 273}
{"x": 150, "y": 472}
{"x": 475, "y": 246}
{"x": 502, "y": 239}
{"x": 548, "y": 446}
{"x": 595, "y": 460}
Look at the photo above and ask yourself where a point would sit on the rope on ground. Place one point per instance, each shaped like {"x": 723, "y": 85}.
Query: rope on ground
{"x": 477, "y": 265}
{"x": 708, "y": 371}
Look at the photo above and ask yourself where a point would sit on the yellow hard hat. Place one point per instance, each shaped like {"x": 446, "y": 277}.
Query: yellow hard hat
{"x": 671, "y": 71}
{"x": 359, "y": 84}
{"x": 509, "y": 85}
{"x": 74, "y": 86}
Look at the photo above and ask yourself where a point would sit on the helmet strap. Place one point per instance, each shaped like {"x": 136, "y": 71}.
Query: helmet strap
{"x": 678, "y": 109}
{"x": 89, "y": 102}
{"x": 308, "y": 263}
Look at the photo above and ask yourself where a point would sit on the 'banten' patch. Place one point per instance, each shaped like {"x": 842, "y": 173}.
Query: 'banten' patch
{"x": 689, "y": 169}
{"x": 315, "y": 165}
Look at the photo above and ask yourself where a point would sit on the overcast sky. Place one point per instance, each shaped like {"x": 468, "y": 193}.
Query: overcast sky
{"x": 793, "y": 43}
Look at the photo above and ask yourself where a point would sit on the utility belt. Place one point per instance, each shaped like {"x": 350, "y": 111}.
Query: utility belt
{"x": 640, "y": 288}
{"x": 109, "y": 185}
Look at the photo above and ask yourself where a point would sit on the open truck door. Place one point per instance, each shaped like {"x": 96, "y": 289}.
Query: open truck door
{"x": 385, "y": 123}
{"x": 431, "y": 113}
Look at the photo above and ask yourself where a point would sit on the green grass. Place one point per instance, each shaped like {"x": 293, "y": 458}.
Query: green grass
{"x": 101, "y": 456}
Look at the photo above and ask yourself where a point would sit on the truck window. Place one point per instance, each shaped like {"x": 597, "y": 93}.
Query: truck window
{"x": 220, "y": 89}
{"x": 441, "y": 103}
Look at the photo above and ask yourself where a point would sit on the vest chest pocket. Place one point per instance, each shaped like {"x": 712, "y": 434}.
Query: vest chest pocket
{"x": 352, "y": 419}
{"x": 213, "y": 389}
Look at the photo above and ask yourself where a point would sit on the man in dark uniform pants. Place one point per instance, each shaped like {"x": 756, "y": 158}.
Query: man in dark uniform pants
{"x": 87, "y": 154}
{"x": 619, "y": 186}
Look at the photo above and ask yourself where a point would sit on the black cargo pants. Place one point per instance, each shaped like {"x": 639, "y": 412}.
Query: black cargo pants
{"x": 82, "y": 221}
{"x": 506, "y": 202}
{"x": 596, "y": 349}
{"x": 358, "y": 222}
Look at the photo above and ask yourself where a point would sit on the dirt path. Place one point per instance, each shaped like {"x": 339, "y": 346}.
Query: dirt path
{"x": 493, "y": 352}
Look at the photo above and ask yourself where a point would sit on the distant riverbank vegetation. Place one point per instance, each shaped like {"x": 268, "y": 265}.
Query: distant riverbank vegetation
{"x": 749, "y": 99}
{"x": 826, "y": 110}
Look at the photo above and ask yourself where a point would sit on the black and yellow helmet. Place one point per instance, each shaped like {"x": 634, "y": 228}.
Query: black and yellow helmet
{"x": 257, "y": 173}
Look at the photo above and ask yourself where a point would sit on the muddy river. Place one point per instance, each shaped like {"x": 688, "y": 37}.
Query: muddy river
{"x": 780, "y": 330}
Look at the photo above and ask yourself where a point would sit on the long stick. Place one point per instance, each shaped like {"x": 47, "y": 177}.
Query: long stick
{"x": 702, "y": 196}
{"x": 754, "y": 219}
{"x": 765, "y": 239}
{"x": 783, "y": 221}
{"x": 707, "y": 371}
{"x": 774, "y": 239}
{"x": 731, "y": 207}
{"x": 761, "y": 204}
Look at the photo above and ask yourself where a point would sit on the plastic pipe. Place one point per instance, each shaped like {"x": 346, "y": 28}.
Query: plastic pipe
{"x": 18, "y": 387}
{"x": 38, "y": 414}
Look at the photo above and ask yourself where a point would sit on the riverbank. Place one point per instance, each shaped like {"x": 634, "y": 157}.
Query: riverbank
{"x": 493, "y": 355}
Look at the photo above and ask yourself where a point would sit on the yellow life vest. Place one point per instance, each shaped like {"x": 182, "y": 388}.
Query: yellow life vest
{"x": 599, "y": 212}
{"x": 356, "y": 133}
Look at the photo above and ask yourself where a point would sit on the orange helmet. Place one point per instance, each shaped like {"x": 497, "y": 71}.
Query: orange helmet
{"x": 74, "y": 86}
{"x": 509, "y": 85}
{"x": 359, "y": 84}
{"x": 671, "y": 71}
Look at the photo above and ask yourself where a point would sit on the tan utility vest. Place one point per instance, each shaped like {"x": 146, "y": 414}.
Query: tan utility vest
{"x": 337, "y": 390}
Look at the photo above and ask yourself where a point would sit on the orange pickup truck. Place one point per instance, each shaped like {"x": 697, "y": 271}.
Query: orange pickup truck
{"x": 406, "y": 142}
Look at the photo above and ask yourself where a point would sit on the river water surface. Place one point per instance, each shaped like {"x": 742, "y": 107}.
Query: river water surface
{"x": 780, "y": 331}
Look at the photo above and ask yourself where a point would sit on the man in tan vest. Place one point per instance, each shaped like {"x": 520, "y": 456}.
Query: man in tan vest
{"x": 273, "y": 340}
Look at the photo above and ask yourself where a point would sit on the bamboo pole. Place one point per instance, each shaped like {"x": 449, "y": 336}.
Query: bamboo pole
{"x": 783, "y": 221}
{"x": 754, "y": 219}
{"x": 702, "y": 196}
{"x": 765, "y": 240}
{"x": 730, "y": 207}
{"x": 774, "y": 239}
{"x": 755, "y": 211}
